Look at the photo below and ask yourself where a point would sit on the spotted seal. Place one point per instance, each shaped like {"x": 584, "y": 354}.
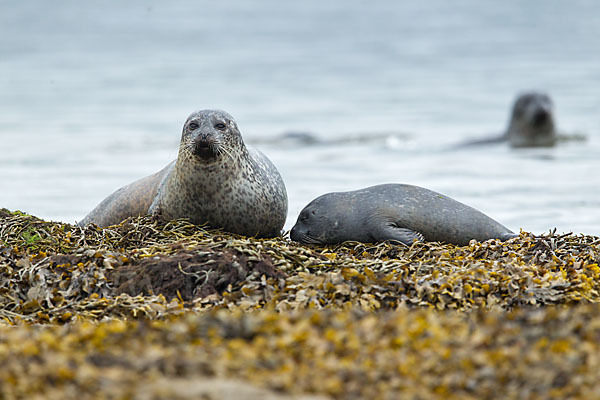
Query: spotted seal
{"x": 531, "y": 123}
{"x": 216, "y": 179}
{"x": 395, "y": 212}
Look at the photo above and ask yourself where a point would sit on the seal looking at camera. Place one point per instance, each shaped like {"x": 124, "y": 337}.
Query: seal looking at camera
{"x": 216, "y": 179}
{"x": 531, "y": 124}
{"x": 532, "y": 121}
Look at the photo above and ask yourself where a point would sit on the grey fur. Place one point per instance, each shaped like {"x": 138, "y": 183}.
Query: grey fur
{"x": 216, "y": 179}
{"x": 396, "y": 212}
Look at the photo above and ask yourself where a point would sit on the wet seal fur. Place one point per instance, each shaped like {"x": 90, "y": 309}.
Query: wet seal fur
{"x": 531, "y": 123}
{"x": 395, "y": 212}
{"x": 216, "y": 179}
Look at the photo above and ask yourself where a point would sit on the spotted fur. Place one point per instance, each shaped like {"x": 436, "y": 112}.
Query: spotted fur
{"x": 216, "y": 180}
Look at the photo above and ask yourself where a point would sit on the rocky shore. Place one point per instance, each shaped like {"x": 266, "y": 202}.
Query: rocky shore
{"x": 149, "y": 310}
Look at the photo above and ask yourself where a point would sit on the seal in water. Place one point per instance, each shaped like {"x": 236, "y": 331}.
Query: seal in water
{"x": 396, "y": 212}
{"x": 531, "y": 123}
{"x": 216, "y": 179}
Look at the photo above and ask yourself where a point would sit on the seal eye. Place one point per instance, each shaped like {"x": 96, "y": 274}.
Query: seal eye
{"x": 220, "y": 126}
{"x": 193, "y": 126}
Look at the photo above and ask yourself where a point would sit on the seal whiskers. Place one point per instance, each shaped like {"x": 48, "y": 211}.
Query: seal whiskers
{"x": 221, "y": 150}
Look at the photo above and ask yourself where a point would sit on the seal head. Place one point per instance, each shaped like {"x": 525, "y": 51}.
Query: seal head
{"x": 532, "y": 121}
{"x": 317, "y": 226}
{"x": 207, "y": 135}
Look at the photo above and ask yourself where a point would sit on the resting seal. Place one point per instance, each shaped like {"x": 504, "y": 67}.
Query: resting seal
{"x": 531, "y": 123}
{"x": 216, "y": 179}
{"x": 396, "y": 212}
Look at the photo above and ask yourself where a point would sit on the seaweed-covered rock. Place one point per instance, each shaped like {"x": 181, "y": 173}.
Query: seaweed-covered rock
{"x": 343, "y": 354}
{"x": 96, "y": 313}
{"x": 67, "y": 271}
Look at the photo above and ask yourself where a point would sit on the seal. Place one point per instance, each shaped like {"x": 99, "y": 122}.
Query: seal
{"x": 216, "y": 180}
{"x": 396, "y": 212}
{"x": 531, "y": 123}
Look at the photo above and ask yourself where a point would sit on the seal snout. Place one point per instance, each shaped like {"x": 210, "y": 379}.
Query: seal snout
{"x": 301, "y": 235}
{"x": 205, "y": 146}
{"x": 295, "y": 234}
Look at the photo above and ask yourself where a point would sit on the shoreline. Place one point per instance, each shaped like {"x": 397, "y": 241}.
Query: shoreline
{"x": 143, "y": 300}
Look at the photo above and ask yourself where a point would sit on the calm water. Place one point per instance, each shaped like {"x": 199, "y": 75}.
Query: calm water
{"x": 93, "y": 96}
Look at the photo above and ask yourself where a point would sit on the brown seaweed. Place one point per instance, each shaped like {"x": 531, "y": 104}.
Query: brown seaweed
{"x": 90, "y": 312}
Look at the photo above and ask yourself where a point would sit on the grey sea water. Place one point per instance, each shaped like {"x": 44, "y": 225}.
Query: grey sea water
{"x": 93, "y": 95}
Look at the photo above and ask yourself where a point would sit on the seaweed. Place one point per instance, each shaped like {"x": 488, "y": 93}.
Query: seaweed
{"x": 97, "y": 312}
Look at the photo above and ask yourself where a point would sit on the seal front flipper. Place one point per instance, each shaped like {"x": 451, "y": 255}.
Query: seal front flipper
{"x": 155, "y": 210}
{"x": 393, "y": 232}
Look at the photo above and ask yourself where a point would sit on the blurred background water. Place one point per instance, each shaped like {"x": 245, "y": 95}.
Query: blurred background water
{"x": 93, "y": 95}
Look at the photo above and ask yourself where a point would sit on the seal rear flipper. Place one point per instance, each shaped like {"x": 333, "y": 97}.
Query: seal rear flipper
{"x": 398, "y": 234}
{"x": 508, "y": 235}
